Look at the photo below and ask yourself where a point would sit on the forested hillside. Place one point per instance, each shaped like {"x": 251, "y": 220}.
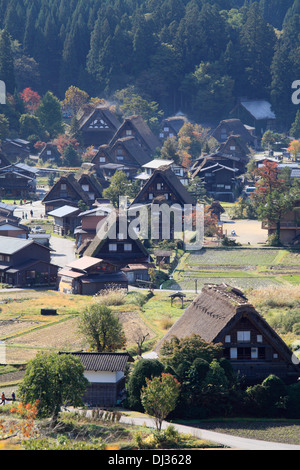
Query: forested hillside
{"x": 197, "y": 56}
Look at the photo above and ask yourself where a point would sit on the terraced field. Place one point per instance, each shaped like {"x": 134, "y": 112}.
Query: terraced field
{"x": 240, "y": 267}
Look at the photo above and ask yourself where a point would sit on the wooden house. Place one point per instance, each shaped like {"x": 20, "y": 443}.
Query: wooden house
{"x": 135, "y": 126}
{"x": 222, "y": 314}
{"x": 7, "y": 211}
{"x": 179, "y": 170}
{"x": 162, "y": 257}
{"x": 289, "y": 226}
{"x": 255, "y": 113}
{"x": 16, "y": 149}
{"x": 88, "y": 276}
{"x": 50, "y": 153}
{"x": 65, "y": 219}
{"x": 171, "y": 126}
{"x": 90, "y": 184}
{"x": 66, "y": 191}
{"x": 164, "y": 186}
{"x": 118, "y": 248}
{"x": 11, "y": 227}
{"x": 90, "y": 221}
{"x": 103, "y": 156}
{"x": 15, "y": 182}
{"x": 98, "y": 126}
{"x": 234, "y": 127}
{"x": 105, "y": 373}
{"x": 220, "y": 181}
{"x": 25, "y": 263}
{"x": 127, "y": 151}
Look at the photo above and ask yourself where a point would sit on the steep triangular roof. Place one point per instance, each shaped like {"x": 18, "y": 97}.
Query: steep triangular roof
{"x": 172, "y": 181}
{"x": 71, "y": 180}
{"x": 214, "y": 312}
{"x": 235, "y": 127}
{"x": 143, "y": 131}
{"x": 107, "y": 115}
{"x": 134, "y": 149}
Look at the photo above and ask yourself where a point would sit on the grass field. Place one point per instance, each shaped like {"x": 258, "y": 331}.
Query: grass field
{"x": 287, "y": 432}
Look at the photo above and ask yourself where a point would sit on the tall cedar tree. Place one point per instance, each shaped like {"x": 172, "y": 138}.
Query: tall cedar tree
{"x": 7, "y": 73}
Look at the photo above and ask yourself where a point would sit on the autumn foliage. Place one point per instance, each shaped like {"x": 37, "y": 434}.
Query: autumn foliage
{"x": 23, "y": 424}
{"x": 31, "y": 99}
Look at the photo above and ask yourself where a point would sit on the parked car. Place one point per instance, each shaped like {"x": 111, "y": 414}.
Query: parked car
{"x": 38, "y": 229}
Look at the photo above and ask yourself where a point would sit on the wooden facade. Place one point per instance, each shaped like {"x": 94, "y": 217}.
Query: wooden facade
{"x": 50, "y": 153}
{"x": 235, "y": 127}
{"x": 25, "y": 263}
{"x": 127, "y": 151}
{"x": 222, "y": 314}
{"x": 256, "y": 113}
{"x": 66, "y": 191}
{"x": 88, "y": 276}
{"x": 171, "y": 126}
{"x": 135, "y": 126}
{"x": 164, "y": 185}
{"x": 98, "y": 126}
{"x": 65, "y": 220}
{"x": 220, "y": 181}
{"x": 289, "y": 227}
{"x": 161, "y": 191}
{"x": 90, "y": 221}
{"x": 17, "y": 182}
{"x": 105, "y": 373}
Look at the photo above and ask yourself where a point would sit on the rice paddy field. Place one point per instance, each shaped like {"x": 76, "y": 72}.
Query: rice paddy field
{"x": 239, "y": 267}
{"x": 270, "y": 278}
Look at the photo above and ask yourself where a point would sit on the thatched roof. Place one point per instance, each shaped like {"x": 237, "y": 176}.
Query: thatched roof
{"x": 142, "y": 129}
{"x": 134, "y": 149}
{"x": 235, "y": 127}
{"x": 214, "y": 312}
{"x": 71, "y": 180}
{"x": 173, "y": 182}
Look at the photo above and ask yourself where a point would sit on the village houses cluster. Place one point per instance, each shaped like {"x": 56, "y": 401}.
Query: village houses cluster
{"x": 76, "y": 207}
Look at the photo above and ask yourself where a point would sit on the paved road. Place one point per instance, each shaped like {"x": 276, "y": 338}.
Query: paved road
{"x": 224, "y": 439}
{"x": 64, "y": 251}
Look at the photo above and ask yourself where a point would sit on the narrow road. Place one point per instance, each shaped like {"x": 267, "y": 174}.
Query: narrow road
{"x": 64, "y": 251}
{"x": 234, "y": 442}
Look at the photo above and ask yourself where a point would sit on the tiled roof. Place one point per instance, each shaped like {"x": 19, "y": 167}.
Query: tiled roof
{"x": 112, "y": 362}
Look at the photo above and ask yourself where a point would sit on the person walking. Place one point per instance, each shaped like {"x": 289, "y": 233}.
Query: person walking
{"x": 2, "y": 399}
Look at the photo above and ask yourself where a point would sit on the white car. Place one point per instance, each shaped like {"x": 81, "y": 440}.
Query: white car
{"x": 38, "y": 229}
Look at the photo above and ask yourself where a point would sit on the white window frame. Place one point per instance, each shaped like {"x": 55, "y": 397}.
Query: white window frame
{"x": 254, "y": 353}
{"x": 113, "y": 247}
{"x": 233, "y": 353}
{"x": 244, "y": 336}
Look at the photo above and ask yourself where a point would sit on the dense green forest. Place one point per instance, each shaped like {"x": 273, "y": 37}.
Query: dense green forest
{"x": 196, "y": 56}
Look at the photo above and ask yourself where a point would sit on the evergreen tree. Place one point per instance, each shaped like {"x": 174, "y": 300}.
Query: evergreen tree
{"x": 258, "y": 41}
{"x": 50, "y": 114}
{"x": 7, "y": 73}
{"x": 295, "y": 129}
{"x": 70, "y": 157}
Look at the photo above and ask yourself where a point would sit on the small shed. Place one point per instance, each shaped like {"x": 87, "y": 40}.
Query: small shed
{"x": 162, "y": 256}
{"x": 65, "y": 219}
{"x": 106, "y": 375}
